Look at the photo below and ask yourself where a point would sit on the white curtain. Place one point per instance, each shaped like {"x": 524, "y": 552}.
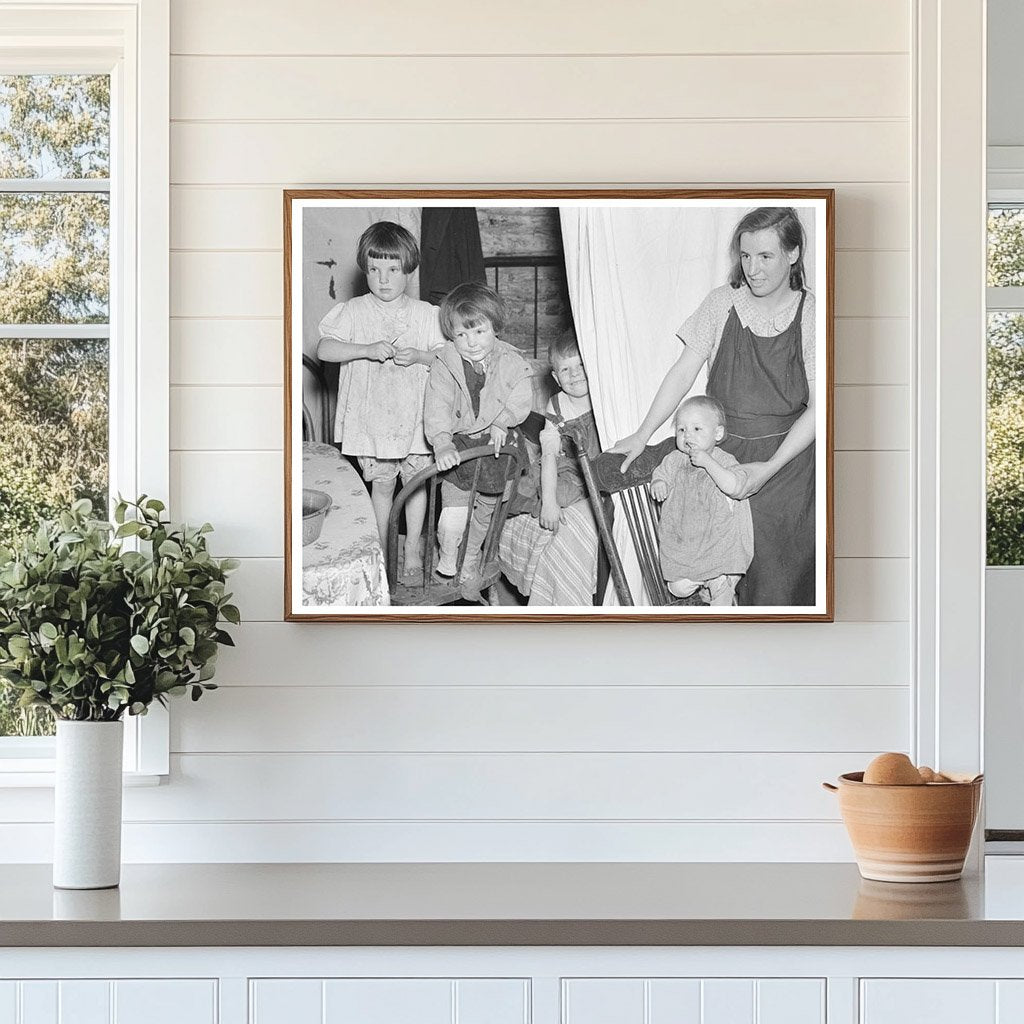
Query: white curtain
{"x": 635, "y": 274}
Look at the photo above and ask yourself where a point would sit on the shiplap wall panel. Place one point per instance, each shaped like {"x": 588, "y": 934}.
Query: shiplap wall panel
{"x": 242, "y": 493}
{"x": 868, "y": 216}
{"x": 535, "y": 27}
{"x": 869, "y": 350}
{"x": 844, "y": 654}
{"x": 867, "y": 589}
{"x": 413, "y": 152}
{"x": 250, "y": 418}
{"x": 703, "y": 87}
{"x": 247, "y": 351}
{"x": 434, "y": 747}
{"x": 248, "y": 283}
{"x": 872, "y": 350}
{"x": 464, "y": 719}
{"x": 504, "y": 786}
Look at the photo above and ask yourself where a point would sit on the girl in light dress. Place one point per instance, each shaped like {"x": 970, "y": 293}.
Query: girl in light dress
{"x": 385, "y": 342}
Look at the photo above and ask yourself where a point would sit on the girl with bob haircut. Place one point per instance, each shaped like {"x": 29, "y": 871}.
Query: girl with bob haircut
{"x": 385, "y": 341}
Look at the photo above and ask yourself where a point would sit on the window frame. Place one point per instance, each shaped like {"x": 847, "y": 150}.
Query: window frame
{"x": 130, "y": 41}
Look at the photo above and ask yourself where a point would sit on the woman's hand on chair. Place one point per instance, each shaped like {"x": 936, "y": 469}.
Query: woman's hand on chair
{"x": 550, "y": 516}
{"x": 631, "y": 447}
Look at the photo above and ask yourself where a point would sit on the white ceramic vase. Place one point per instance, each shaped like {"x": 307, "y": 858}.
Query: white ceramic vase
{"x": 87, "y": 805}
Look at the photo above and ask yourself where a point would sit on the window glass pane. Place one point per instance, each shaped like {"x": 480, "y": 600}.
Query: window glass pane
{"x": 54, "y": 126}
{"x": 53, "y": 449}
{"x": 1005, "y": 246}
{"x": 54, "y": 257}
{"x": 1005, "y": 483}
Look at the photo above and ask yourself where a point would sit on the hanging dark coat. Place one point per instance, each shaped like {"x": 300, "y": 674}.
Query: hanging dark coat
{"x": 450, "y": 249}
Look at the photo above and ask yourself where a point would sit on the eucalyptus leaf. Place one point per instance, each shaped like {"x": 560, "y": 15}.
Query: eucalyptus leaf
{"x": 93, "y": 631}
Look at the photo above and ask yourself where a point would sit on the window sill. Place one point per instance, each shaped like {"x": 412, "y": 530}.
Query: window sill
{"x": 39, "y": 773}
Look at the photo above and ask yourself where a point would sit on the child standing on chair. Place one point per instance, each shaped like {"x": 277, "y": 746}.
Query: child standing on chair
{"x": 385, "y": 342}
{"x": 479, "y": 388}
{"x": 706, "y": 537}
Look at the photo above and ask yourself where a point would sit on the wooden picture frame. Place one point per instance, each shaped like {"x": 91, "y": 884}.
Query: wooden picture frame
{"x": 622, "y": 269}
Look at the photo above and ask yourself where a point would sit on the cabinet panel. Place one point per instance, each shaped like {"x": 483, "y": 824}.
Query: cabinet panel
{"x": 694, "y": 1001}
{"x": 38, "y": 1002}
{"x": 790, "y": 1001}
{"x": 727, "y": 1001}
{"x": 84, "y": 1002}
{"x": 281, "y": 1001}
{"x": 492, "y": 1001}
{"x": 603, "y": 1001}
{"x": 674, "y": 1000}
{"x": 8, "y": 1002}
{"x": 928, "y": 1001}
{"x": 388, "y": 1001}
{"x": 1009, "y": 1002}
{"x": 165, "y": 1002}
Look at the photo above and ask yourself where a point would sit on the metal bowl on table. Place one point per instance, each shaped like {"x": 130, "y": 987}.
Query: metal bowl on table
{"x": 315, "y": 506}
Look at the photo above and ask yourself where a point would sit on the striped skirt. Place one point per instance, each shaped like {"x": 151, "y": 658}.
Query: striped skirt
{"x": 552, "y": 569}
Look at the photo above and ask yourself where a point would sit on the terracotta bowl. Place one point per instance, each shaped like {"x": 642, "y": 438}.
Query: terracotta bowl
{"x": 909, "y": 833}
{"x": 315, "y": 505}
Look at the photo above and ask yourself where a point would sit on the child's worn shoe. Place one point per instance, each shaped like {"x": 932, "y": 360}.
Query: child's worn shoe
{"x": 471, "y": 584}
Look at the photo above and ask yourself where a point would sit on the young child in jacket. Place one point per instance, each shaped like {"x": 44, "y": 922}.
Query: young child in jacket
{"x": 706, "y": 537}
{"x": 385, "y": 341}
{"x": 478, "y": 389}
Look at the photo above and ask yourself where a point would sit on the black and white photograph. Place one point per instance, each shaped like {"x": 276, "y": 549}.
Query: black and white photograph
{"x": 512, "y": 406}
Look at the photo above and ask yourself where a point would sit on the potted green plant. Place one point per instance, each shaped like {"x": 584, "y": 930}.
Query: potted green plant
{"x": 95, "y": 625}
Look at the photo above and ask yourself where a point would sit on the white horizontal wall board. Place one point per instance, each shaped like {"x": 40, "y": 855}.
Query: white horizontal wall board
{"x": 209, "y": 418}
{"x": 867, "y": 589}
{"x": 866, "y": 418}
{"x": 570, "y": 151}
{"x": 477, "y": 87}
{"x": 872, "y": 350}
{"x": 243, "y": 283}
{"x": 222, "y": 352}
{"x": 159, "y": 842}
{"x": 868, "y": 216}
{"x": 872, "y": 589}
{"x": 212, "y": 418}
{"x": 868, "y": 350}
{"x": 655, "y": 654}
{"x": 535, "y": 26}
{"x": 546, "y": 718}
{"x": 241, "y": 493}
{"x": 873, "y": 504}
{"x": 448, "y": 786}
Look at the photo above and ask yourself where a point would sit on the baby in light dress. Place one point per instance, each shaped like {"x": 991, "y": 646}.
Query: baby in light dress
{"x": 706, "y": 537}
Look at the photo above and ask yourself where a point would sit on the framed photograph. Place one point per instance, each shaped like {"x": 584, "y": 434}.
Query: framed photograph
{"x": 568, "y": 405}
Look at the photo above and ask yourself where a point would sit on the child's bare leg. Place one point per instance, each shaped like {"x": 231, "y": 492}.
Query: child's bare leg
{"x": 722, "y": 590}
{"x": 415, "y": 513}
{"x": 382, "y": 493}
{"x": 450, "y": 527}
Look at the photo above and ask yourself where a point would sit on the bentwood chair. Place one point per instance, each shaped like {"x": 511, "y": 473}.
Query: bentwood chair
{"x": 429, "y": 589}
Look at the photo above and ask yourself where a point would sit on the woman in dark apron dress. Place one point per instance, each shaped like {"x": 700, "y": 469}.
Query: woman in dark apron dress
{"x": 755, "y": 335}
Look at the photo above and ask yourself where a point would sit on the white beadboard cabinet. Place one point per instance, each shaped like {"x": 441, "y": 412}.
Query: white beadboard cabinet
{"x": 513, "y": 985}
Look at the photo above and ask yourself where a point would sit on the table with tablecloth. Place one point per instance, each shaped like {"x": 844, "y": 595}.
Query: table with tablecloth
{"x": 344, "y": 566}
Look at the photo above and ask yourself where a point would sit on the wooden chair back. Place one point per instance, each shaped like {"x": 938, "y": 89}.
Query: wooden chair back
{"x": 641, "y": 512}
{"x": 429, "y": 589}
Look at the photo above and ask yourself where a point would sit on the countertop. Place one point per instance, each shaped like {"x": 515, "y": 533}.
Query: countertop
{"x": 558, "y": 904}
